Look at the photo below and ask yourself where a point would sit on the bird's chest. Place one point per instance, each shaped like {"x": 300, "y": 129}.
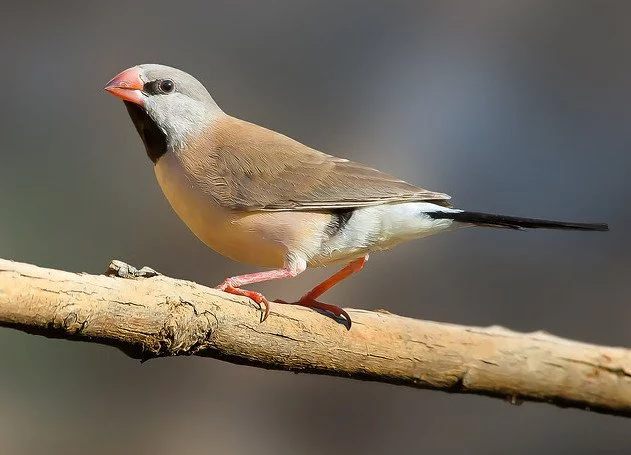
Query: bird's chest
{"x": 224, "y": 230}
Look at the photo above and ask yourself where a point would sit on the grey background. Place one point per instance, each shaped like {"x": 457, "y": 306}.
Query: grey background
{"x": 519, "y": 107}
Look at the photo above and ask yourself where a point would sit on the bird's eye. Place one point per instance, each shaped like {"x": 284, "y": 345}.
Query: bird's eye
{"x": 167, "y": 86}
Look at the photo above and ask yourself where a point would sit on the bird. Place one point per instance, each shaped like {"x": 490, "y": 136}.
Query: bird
{"x": 262, "y": 198}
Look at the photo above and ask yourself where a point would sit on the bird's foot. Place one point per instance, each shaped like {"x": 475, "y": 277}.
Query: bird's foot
{"x": 325, "y": 307}
{"x": 256, "y": 296}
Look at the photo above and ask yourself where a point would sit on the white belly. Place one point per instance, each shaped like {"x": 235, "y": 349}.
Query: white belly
{"x": 380, "y": 227}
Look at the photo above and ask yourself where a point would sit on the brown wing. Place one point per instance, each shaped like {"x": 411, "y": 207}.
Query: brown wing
{"x": 247, "y": 167}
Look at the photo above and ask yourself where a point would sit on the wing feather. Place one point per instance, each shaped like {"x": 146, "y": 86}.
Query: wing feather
{"x": 248, "y": 167}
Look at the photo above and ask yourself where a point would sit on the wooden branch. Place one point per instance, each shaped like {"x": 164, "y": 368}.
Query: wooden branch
{"x": 148, "y": 315}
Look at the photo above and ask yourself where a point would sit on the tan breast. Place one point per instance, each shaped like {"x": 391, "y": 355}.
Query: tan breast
{"x": 258, "y": 238}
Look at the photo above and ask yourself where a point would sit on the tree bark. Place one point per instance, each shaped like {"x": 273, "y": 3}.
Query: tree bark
{"x": 147, "y": 315}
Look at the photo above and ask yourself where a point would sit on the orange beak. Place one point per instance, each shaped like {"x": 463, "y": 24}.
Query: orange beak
{"x": 127, "y": 86}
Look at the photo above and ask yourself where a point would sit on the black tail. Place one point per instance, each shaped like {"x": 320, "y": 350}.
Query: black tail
{"x": 513, "y": 222}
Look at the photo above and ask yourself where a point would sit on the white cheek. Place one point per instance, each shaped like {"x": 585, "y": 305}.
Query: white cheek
{"x": 179, "y": 117}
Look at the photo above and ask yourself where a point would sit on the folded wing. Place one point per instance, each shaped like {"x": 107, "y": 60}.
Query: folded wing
{"x": 251, "y": 168}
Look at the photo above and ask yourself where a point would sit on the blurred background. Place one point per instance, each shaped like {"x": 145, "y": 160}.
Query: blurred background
{"x": 518, "y": 107}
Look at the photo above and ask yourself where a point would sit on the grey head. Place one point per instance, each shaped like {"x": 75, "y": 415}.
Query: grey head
{"x": 168, "y": 106}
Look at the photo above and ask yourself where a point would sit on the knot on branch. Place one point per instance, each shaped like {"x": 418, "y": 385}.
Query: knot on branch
{"x": 185, "y": 331}
{"x": 123, "y": 270}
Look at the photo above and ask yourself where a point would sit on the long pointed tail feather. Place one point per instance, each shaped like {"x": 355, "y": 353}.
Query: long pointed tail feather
{"x": 513, "y": 222}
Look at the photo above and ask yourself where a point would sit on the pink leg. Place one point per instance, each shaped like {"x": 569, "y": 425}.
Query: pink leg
{"x": 232, "y": 285}
{"x": 309, "y": 299}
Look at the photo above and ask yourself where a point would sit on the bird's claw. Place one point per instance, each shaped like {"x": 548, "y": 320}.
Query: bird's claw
{"x": 308, "y": 302}
{"x": 336, "y": 311}
{"x": 253, "y": 295}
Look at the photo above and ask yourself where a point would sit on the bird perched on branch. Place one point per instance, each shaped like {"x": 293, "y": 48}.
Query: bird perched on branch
{"x": 262, "y": 198}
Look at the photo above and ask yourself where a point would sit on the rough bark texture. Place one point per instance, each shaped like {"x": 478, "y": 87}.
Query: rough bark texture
{"x": 148, "y": 315}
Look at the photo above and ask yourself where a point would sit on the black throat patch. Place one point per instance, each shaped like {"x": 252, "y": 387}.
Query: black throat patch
{"x": 152, "y": 136}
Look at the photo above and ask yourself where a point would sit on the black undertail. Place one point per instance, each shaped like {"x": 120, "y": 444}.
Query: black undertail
{"x": 513, "y": 222}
